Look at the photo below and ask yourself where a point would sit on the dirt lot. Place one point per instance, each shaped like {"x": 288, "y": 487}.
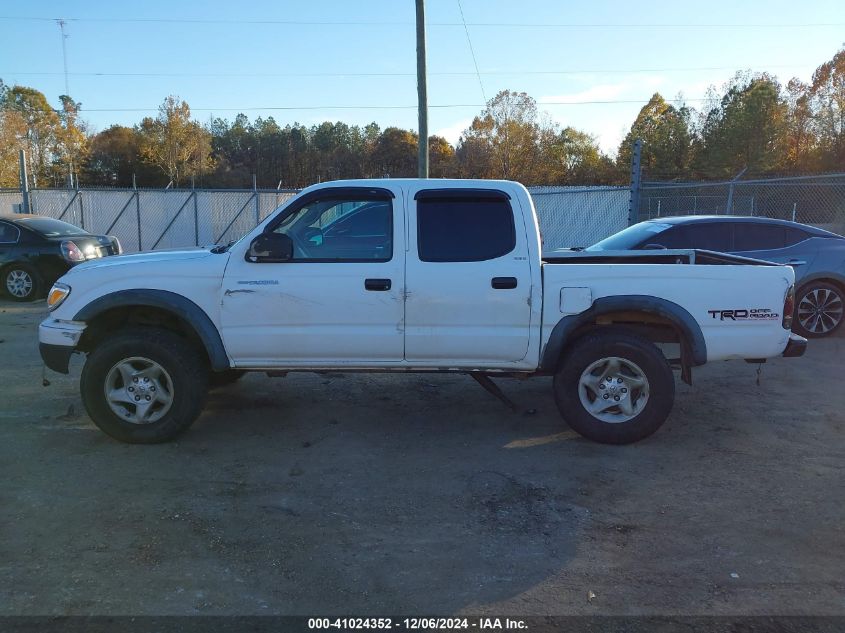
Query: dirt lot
{"x": 374, "y": 494}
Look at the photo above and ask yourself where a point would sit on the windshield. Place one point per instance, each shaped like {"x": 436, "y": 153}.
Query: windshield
{"x": 629, "y": 238}
{"x": 48, "y": 227}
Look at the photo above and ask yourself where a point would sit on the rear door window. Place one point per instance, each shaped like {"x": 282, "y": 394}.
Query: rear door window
{"x": 464, "y": 228}
{"x": 753, "y": 236}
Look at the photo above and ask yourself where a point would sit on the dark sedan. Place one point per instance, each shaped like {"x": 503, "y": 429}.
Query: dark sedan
{"x": 816, "y": 255}
{"x": 36, "y": 250}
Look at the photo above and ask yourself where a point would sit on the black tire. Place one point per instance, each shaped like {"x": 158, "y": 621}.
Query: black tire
{"x": 187, "y": 375}
{"x": 634, "y": 352}
{"x": 13, "y": 273}
{"x": 219, "y": 379}
{"x": 818, "y": 309}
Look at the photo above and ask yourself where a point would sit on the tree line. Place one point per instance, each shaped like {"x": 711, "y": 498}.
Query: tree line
{"x": 754, "y": 124}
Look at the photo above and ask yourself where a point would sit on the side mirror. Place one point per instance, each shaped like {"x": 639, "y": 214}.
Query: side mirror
{"x": 270, "y": 248}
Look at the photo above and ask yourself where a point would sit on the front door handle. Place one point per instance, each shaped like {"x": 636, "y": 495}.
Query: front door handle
{"x": 377, "y": 284}
{"x": 503, "y": 283}
{"x": 796, "y": 262}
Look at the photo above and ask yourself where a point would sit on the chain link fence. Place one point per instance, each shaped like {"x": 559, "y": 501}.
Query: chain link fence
{"x": 144, "y": 219}
{"x": 815, "y": 200}
{"x": 579, "y": 216}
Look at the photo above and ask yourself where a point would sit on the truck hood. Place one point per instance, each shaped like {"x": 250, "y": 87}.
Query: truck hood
{"x": 151, "y": 257}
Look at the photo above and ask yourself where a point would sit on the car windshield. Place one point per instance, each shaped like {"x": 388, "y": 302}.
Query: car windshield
{"x": 629, "y": 238}
{"x": 48, "y": 227}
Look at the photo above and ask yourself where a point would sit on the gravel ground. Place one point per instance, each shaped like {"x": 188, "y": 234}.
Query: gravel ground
{"x": 375, "y": 494}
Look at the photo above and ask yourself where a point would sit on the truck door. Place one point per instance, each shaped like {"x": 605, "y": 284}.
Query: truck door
{"x": 338, "y": 301}
{"x": 468, "y": 279}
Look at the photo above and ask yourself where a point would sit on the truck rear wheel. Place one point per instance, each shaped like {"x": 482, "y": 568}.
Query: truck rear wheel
{"x": 144, "y": 386}
{"x": 614, "y": 387}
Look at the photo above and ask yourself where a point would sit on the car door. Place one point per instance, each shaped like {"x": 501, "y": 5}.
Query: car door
{"x": 338, "y": 301}
{"x": 468, "y": 279}
{"x": 775, "y": 243}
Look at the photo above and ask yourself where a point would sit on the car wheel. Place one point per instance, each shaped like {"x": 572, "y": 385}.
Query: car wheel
{"x": 818, "y": 310}
{"x": 21, "y": 282}
{"x": 144, "y": 386}
{"x": 614, "y": 387}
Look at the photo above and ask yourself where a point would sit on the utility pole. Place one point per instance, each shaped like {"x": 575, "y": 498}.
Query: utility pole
{"x": 61, "y": 24}
{"x": 422, "y": 93}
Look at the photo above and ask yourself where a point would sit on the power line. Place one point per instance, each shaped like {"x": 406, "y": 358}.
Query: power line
{"x": 580, "y": 25}
{"x": 472, "y": 51}
{"x": 594, "y": 71}
{"x": 389, "y": 107}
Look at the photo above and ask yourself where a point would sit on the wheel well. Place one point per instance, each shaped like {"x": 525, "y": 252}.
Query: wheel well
{"x": 825, "y": 280}
{"x": 653, "y": 327}
{"x": 107, "y": 321}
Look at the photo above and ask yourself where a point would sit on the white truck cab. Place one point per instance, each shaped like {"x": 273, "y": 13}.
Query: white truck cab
{"x": 410, "y": 275}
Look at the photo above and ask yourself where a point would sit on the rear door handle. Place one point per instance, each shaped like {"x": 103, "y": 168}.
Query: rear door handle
{"x": 503, "y": 283}
{"x": 377, "y": 284}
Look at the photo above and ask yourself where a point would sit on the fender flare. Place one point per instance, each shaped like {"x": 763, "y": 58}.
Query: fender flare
{"x": 677, "y": 315}
{"x": 182, "y": 307}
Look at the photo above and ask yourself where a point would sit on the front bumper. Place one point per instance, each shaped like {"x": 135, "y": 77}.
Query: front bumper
{"x": 57, "y": 341}
{"x": 796, "y": 346}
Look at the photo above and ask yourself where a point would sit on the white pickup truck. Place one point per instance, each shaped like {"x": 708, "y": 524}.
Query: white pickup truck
{"x": 410, "y": 276}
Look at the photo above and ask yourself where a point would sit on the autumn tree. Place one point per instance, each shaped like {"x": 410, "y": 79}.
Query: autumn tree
{"x": 177, "y": 145}
{"x": 506, "y": 135}
{"x": 827, "y": 99}
{"x": 72, "y": 140}
{"x": 114, "y": 158}
{"x": 43, "y": 130}
{"x": 395, "y": 153}
{"x": 12, "y": 134}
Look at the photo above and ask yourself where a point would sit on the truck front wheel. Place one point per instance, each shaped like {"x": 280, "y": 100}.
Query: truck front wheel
{"x": 144, "y": 386}
{"x": 614, "y": 387}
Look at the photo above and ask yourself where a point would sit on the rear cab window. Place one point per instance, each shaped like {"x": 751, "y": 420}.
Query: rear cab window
{"x": 464, "y": 225}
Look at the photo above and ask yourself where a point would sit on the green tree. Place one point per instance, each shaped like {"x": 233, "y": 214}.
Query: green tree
{"x": 745, "y": 130}
{"x": 177, "y": 145}
{"x": 665, "y": 132}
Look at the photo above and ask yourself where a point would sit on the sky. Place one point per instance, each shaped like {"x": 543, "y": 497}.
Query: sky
{"x": 591, "y": 65}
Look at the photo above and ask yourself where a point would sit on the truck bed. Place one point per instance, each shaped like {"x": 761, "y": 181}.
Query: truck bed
{"x": 668, "y": 256}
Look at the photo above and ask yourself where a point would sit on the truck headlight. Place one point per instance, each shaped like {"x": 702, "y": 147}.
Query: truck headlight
{"x": 57, "y": 294}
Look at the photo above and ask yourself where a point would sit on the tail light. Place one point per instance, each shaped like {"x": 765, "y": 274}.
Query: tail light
{"x": 788, "y": 307}
{"x": 71, "y": 252}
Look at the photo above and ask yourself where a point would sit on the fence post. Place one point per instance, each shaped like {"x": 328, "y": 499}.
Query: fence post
{"x": 257, "y": 201}
{"x": 634, "y": 202}
{"x": 24, "y": 183}
{"x": 81, "y": 208}
{"x": 137, "y": 210}
{"x": 730, "y": 204}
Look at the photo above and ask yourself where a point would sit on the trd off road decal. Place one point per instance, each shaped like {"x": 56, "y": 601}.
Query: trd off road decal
{"x": 745, "y": 314}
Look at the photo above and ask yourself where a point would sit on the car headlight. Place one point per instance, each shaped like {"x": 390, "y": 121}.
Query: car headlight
{"x": 57, "y": 294}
